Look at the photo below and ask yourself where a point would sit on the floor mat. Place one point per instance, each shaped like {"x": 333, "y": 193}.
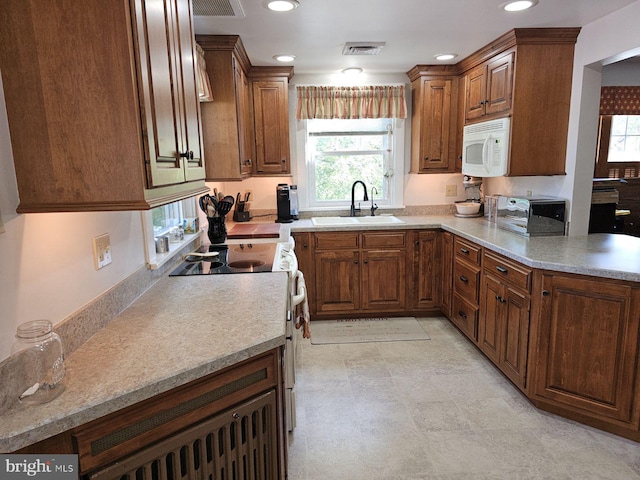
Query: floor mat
{"x": 360, "y": 330}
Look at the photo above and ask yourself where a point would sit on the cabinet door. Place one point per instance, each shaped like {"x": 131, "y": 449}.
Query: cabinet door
{"x": 426, "y": 270}
{"x": 436, "y": 116}
{"x": 171, "y": 114}
{"x": 465, "y": 317}
{"x": 271, "y": 121}
{"x": 588, "y": 345}
{"x": 515, "y": 336}
{"x": 384, "y": 280}
{"x": 475, "y": 88}
{"x": 491, "y": 318}
{"x": 245, "y": 130}
{"x": 499, "y": 84}
{"x": 337, "y": 281}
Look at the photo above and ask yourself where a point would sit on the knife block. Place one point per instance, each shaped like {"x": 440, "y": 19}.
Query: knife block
{"x": 239, "y": 216}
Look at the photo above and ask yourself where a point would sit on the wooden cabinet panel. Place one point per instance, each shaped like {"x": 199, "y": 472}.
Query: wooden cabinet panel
{"x": 466, "y": 250}
{"x": 489, "y": 328}
{"x": 384, "y": 280}
{"x": 433, "y": 143}
{"x": 337, "y": 281}
{"x": 515, "y": 337}
{"x": 475, "y": 92}
{"x": 271, "y": 123}
{"x": 427, "y": 266}
{"x": 587, "y": 346}
{"x": 384, "y": 240}
{"x": 336, "y": 240}
{"x": 447, "y": 273}
{"x": 508, "y": 271}
{"x": 114, "y": 130}
{"x": 499, "y": 84}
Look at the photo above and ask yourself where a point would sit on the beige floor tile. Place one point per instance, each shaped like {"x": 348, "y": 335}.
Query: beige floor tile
{"x": 435, "y": 409}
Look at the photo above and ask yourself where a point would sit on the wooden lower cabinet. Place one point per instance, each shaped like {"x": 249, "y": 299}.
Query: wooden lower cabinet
{"x": 503, "y": 330}
{"x": 360, "y": 272}
{"x": 447, "y": 273}
{"x": 232, "y": 419}
{"x": 586, "y": 346}
{"x": 426, "y": 271}
{"x": 467, "y": 257}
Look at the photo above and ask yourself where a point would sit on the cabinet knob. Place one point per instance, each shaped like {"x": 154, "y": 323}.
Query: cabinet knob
{"x": 355, "y": 262}
{"x": 426, "y": 159}
{"x": 464, "y": 279}
{"x": 500, "y": 299}
{"x": 417, "y": 242}
{"x": 235, "y": 415}
{"x": 462, "y": 314}
{"x": 284, "y": 160}
{"x": 545, "y": 293}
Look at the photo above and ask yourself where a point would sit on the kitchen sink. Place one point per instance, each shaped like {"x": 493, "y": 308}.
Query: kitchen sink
{"x": 333, "y": 221}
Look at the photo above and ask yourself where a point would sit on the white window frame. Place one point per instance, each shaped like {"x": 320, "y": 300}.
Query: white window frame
{"x": 306, "y": 172}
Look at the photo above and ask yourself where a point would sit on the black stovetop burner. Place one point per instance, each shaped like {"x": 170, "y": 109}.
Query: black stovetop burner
{"x": 235, "y": 258}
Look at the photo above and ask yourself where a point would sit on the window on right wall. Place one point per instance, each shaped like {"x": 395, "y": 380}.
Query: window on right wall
{"x": 618, "y": 152}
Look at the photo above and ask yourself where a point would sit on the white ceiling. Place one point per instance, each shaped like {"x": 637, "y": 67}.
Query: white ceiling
{"x": 414, "y": 30}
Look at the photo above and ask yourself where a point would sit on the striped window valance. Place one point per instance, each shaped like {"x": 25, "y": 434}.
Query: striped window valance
{"x": 620, "y": 100}
{"x": 327, "y": 102}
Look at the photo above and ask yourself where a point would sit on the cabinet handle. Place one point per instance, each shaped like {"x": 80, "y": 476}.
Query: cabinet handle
{"x": 284, "y": 160}
{"x": 465, "y": 251}
{"x": 355, "y": 262}
{"x": 545, "y": 293}
{"x": 462, "y": 314}
{"x": 235, "y": 416}
{"x": 464, "y": 279}
{"x": 500, "y": 299}
{"x": 417, "y": 242}
{"x": 426, "y": 159}
{"x": 502, "y": 269}
{"x": 366, "y": 262}
{"x": 305, "y": 245}
{"x": 188, "y": 155}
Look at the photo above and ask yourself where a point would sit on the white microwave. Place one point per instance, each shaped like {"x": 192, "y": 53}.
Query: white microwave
{"x": 485, "y": 148}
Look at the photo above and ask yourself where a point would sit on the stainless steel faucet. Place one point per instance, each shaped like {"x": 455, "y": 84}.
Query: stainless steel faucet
{"x": 353, "y": 190}
{"x": 374, "y": 206}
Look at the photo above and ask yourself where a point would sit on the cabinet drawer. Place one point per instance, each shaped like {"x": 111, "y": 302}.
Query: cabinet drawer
{"x": 465, "y": 316}
{"x": 333, "y": 240}
{"x": 467, "y": 250}
{"x": 507, "y": 270}
{"x": 466, "y": 280}
{"x": 384, "y": 239}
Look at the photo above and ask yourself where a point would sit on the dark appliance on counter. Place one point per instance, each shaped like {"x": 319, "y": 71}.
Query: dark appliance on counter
{"x": 283, "y": 203}
{"x": 531, "y": 216}
{"x": 232, "y": 258}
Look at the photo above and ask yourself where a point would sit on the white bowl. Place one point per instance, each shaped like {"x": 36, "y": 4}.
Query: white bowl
{"x": 468, "y": 208}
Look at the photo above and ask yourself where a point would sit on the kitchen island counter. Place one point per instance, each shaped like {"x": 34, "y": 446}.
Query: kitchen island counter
{"x": 601, "y": 255}
{"x": 181, "y": 329}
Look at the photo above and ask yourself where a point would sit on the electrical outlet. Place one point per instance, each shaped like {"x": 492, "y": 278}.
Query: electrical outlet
{"x": 451, "y": 191}
{"x": 529, "y": 193}
{"x": 101, "y": 251}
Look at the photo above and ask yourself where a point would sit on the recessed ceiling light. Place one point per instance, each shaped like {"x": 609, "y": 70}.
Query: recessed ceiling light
{"x": 519, "y": 5}
{"x": 281, "y": 5}
{"x": 352, "y": 71}
{"x": 445, "y": 56}
{"x": 285, "y": 58}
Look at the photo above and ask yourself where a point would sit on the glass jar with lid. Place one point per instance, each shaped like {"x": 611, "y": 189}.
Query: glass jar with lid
{"x": 42, "y": 357}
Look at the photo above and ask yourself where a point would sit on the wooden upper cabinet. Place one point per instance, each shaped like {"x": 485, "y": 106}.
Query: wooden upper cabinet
{"x": 227, "y": 121}
{"x": 525, "y": 74}
{"x": 102, "y": 104}
{"x": 271, "y": 123}
{"x": 433, "y": 122}
{"x": 488, "y": 88}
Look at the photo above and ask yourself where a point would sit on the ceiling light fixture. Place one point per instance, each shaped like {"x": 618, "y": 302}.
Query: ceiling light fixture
{"x": 281, "y": 5}
{"x": 284, "y": 58}
{"x": 352, "y": 71}
{"x": 518, "y": 5}
{"x": 445, "y": 56}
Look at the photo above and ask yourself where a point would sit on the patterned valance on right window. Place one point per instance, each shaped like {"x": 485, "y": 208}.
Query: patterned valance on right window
{"x": 620, "y": 100}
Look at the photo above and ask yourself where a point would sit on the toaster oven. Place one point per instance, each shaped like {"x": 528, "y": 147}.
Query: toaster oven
{"x": 531, "y": 216}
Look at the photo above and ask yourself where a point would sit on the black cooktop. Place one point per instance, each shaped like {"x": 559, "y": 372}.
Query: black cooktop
{"x": 235, "y": 258}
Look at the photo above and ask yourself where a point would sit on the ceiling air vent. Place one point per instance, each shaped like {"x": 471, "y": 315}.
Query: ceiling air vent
{"x": 363, "y": 48}
{"x": 218, "y": 8}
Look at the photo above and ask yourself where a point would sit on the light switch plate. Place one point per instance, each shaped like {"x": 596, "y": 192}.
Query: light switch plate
{"x": 101, "y": 251}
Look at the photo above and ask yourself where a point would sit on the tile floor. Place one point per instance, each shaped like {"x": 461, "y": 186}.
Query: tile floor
{"x": 438, "y": 410}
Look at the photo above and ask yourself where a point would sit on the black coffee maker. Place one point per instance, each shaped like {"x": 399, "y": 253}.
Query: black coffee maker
{"x": 283, "y": 203}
